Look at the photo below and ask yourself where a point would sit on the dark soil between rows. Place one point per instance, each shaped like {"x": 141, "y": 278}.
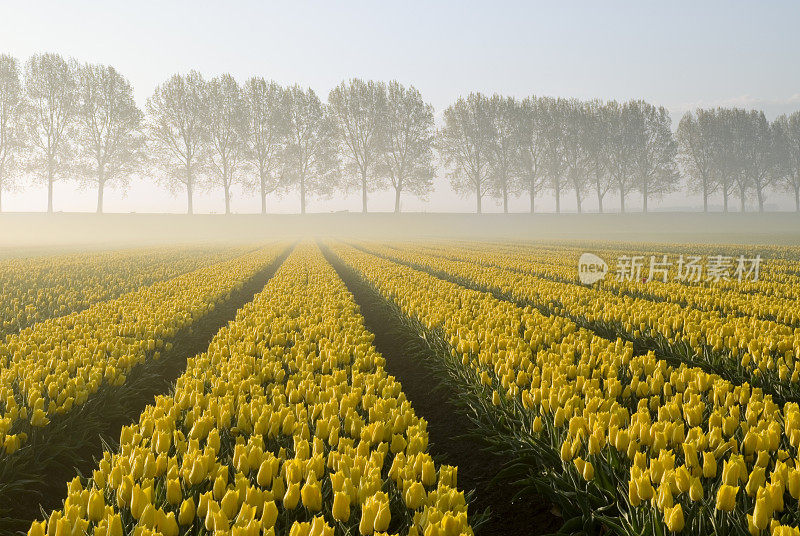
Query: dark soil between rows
{"x": 37, "y": 479}
{"x": 405, "y": 354}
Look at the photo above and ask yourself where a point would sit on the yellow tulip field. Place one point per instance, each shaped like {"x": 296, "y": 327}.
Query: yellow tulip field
{"x": 650, "y": 403}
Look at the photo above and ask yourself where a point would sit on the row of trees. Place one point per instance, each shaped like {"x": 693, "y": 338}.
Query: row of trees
{"x": 60, "y": 119}
{"x": 63, "y": 120}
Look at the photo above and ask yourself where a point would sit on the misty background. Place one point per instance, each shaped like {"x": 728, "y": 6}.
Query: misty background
{"x": 681, "y": 56}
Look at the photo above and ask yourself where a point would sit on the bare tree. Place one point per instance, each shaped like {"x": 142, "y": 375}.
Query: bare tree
{"x": 695, "y": 138}
{"x": 787, "y": 154}
{"x": 175, "y": 115}
{"x": 464, "y": 145}
{"x": 759, "y": 154}
{"x": 555, "y": 161}
{"x": 359, "y": 110}
{"x": 11, "y": 112}
{"x": 736, "y": 130}
{"x": 407, "y": 156}
{"x": 504, "y": 153}
{"x": 51, "y": 89}
{"x": 226, "y": 122}
{"x": 725, "y": 157}
{"x": 111, "y": 144}
{"x": 620, "y": 140}
{"x": 574, "y": 125}
{"x": 595, "y": 141}
{"x": 267, "y": 132}
{"x": 532, "y": 145}
{"x": 652, "y": 151}
{"x": 310, "y": 160}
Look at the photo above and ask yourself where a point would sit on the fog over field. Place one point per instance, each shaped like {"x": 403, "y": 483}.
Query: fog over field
{"x": 36, "y": 232}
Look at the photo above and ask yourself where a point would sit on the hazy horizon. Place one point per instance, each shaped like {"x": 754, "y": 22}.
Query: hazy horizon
{"x": 680, "y": 55}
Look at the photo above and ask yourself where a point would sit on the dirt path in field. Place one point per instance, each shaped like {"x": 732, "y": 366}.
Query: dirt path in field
{"x": 36, "y": 477}
{"x": 405, "y": 354}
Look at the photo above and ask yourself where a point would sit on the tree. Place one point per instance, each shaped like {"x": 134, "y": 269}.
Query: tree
{"x": 652, "y": 151}
{"x": 407, "y": 156}
{"x": 51, "y": 88}
{"x": 11, "y": 110}
{"x": 111, "y": 144}
{"x": 267, "y": 132}
{"x": 226, "y": 122}
{"x": 311, "y": 159}
{"x": 464, "y": 144}
{"x": 620, "y": 141}
{"x": 724, "y": 155}
{"x": 737, "y": 138}
{"x": 574, "y": 125}
{"x": 787, "y": 154}
{"x": 359, "y": 111}
{"x": 504, "y": 154}
{"x": 555, "y": 161}
{"x": 595, "y": 140}
{"x": 759, "y": 154}
{"x": 175, "y": 115}
{"x": 532, "y": 146}
{"x": 695, "y": 152}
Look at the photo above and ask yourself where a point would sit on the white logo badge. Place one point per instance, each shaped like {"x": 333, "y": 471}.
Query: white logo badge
{"x": 591, "y": 268}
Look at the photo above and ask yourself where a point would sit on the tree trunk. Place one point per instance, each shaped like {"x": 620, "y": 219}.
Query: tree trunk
{"x": 621, "y": 200}
{"x": 705, "y": 194}
{"x": 558, "y": 198}
{"x": 364, "y": 191}
{"x": 725, "y": 194}
{"x": 397, "y": 200}
{"x": 797, "y": 197}
{"x": 505, "y": 199}
{"x": 1, "y": 197}
{"x": 760, "y": 199}
{"x": 190, "y": 208}
{"x": 227, "y": 190}
{"x": 100, "y": 187}
{"x": 644, "y": 198}
{"x": 578, "y": 199}
{"x": 532, "y": 193}
{"x": 50, "y": 180}
{"x": 302, "y": 195}
{"x": 741, "y": 200}
{"x": 263, "y": 195}
{"x": 478, "y": 195}
{"x": 599, "y": 201}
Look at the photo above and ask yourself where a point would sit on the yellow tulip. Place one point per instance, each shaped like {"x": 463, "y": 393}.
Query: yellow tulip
{"x": 186, "y": 512}
{"x": 673, "y": 518}
{"x": 341, "y": 507}
{"x": 96, "y": 507}
{"x": 726, "y": 498}
{"x": 312, "y": 496}
{"x": 292, "y": 496}
{"x": 382, "y": 518}
{"x": 367, "y": 523}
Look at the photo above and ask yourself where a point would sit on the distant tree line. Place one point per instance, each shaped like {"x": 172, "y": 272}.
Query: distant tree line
{"x": 61, "y": 119}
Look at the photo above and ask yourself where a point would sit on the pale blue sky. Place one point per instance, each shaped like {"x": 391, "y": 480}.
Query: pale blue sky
{"x": 677, "y": 54}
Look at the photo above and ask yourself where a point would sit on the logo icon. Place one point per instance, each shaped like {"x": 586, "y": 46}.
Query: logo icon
{"x": 591, "y": 268}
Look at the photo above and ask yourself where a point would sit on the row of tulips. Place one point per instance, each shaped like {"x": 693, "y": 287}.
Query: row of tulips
{"x": 772, "y": 296}
{"x": 40, "y": 287}
{"x": 288, "y": 424}
{"x": 778, "y": 275}
{"x": 55, "y": 366}
{"x": 736, "y": 347}
{"x": 629, "y": 442}
{"x": 777, "y": 278}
